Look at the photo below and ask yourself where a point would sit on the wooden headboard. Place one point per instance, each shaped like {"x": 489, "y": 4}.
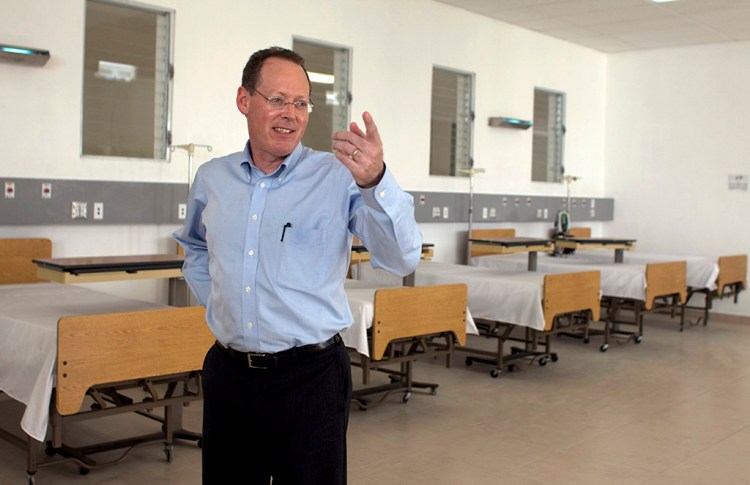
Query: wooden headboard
{"x": 16, "y": 256}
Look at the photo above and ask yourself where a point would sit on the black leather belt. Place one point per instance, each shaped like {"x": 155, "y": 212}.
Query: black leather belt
{"x": 257, "y": 360}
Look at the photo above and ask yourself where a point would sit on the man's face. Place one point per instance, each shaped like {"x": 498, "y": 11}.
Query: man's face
{"x": 274, "y": 132}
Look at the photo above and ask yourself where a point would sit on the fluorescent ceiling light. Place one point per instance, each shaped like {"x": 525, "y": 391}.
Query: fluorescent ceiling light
{"x": 320, "y": 78}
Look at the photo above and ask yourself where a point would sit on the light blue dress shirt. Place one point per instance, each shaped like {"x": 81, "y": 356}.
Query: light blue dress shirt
{"x": 267, "y": 254}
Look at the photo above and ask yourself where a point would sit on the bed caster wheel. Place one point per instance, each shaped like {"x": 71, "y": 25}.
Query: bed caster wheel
{"x": 542, "y": 361}
{"x": 604, "y": 347}
{"x": 83, "y": 470}
{"x": 169, "y": 453}
{"x": 554, "y": 357}
{"x": 495, "y": 331}
{"x": 405, "y": 397}
{"x": 49, "y": 450}
{"x": 512, "y": 368}
{"x": 638, "y": 339}
{"x": 586, "y": 340}
{"x": 32, "y": 480}
{"x": 469, "y": 361}
{"x": 495, "y": 373}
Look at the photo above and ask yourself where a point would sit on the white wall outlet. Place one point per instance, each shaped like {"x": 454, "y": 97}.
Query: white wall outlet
{"x": 78, "y": 210}
{"x": 99, "y": 210}
{"x": 446, "y": 213}
{"x": 484, "y": 213}
{"x": 181, "y": 211}
{"x": 546, "y": 213}
{"x": 436, "y": 212}
{"x": 10, "y": 190}
{"x": 46, "y": 190}
{"x": 539, "y": 213}
{"x": 493, "y": 213}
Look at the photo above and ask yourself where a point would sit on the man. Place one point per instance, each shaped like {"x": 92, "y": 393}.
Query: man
{"x": 267, "y": 241}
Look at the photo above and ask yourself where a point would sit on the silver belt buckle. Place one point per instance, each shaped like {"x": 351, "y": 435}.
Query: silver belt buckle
{"x": 250, "y": 361}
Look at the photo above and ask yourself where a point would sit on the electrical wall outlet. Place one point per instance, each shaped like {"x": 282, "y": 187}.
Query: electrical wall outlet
{"x": 181, "y": 211}
{"x": 99, "y": 210}
{"x": 46, "y": 190}
{"x": 10, "y": 190}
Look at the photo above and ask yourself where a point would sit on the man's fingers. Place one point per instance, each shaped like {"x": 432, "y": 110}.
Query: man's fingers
{"x": 372, "y": 129}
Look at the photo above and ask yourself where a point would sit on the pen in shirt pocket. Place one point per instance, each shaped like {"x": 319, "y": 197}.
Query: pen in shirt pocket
{"x": 283, "y": 231}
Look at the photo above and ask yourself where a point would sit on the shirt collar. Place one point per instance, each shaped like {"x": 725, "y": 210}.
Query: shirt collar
{"x": 288, "y": 164}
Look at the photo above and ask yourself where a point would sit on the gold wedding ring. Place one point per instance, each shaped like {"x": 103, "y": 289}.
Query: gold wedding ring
{"x": 354, "y": 153}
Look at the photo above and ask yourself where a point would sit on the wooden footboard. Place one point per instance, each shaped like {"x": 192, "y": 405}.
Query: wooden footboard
{"x": 423, "y": 310}
{"x": 664, "y": 279}
{"x": 570, "y": 292}
{"x": 116, "y": 347}
{"x": 732, "y": 270}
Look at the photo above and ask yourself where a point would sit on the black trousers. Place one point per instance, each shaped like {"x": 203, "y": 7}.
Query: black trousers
{"x": 288, "y": 423}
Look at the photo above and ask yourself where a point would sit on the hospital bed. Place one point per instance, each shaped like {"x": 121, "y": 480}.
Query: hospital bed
{"x": 70, "y": 354}
{"x": 396, "y": 325}
{"x": 725, "y": 277}
{"x": 625, "y": 288}
{"x": 506, "y": 304}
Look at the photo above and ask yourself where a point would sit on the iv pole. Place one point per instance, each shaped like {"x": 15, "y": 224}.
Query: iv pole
{"x": 190, "y": 148}
{"x": 470, "y": 172}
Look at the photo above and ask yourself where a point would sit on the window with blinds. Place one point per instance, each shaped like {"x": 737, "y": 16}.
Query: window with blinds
{"x": 126, "y": 80}
{"x": 548, "y": 137}
{"x": 328, "y": 68}
{"x": 451, "y": 122}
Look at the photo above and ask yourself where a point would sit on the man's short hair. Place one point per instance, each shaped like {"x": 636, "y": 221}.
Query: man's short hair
{"x": 251, "y": 73}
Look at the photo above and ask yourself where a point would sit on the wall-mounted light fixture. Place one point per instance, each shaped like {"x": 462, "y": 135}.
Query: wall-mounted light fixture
{"x": 510, "y": 122}
{"x": 23, "y": 55}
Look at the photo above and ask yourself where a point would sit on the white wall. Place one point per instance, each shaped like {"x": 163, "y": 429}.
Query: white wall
{"x": 395, "y": 43}
{"x": 676, "y": 129}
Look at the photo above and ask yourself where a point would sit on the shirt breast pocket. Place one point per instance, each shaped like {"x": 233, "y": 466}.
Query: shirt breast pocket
{"x": 302, "y": 262}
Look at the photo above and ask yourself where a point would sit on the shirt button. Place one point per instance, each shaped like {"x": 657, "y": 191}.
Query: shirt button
{"x": 250, "y": 253}
{"x": 262, "y": 185}
{"x": 382, "y": 193}
{"x": 255, "y": 217}
{"x": 248, "y": 289}
{"x": 250, "y": 325}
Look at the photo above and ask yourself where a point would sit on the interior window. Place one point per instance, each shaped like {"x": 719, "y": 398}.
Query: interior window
{"x": 549, "y": 136}
{"x": 126, "y": 80}
{"x": 451, "y": 122}
{"x": 328, "y": 68}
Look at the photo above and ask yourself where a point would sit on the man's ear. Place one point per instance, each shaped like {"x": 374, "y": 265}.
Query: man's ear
{"x": 243, "y": 100}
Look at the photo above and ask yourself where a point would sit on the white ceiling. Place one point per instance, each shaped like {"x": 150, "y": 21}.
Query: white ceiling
{"x": 623, "y": 25}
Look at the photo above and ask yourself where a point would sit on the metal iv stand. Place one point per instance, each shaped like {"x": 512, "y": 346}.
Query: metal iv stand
{"x": 190, "y": 148}
{"x": 470, "y": 172}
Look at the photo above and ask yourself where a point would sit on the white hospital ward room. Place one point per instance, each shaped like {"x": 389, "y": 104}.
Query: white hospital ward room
{"x": 437, "y": 242}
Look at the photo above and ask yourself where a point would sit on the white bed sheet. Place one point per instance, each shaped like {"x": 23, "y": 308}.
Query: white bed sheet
{"x": 702, "y": 272}
{"x": 28, "y": 340}
{"x": 361, "y": 295}
{"x": 512, "y": 296}
{"x": 621, "y": 280}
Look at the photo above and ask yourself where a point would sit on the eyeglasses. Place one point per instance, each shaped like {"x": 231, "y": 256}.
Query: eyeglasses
{"x": 279, "y": 103}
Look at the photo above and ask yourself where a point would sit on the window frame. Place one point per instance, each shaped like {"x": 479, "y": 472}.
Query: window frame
{"x": 167, "y": 83}
{"x": 339, "y": 117}
{"x": 465, "y": 101}
{"x": 554, "y": 169}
